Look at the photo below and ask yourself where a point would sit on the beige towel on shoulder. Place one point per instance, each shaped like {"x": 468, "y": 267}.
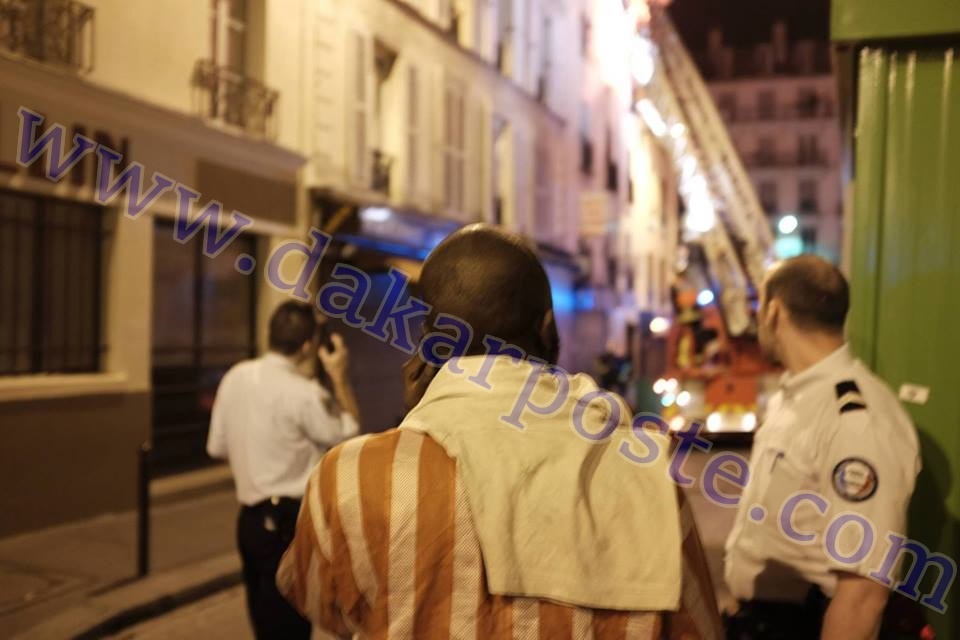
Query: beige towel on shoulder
{"x": 558, "y": 516}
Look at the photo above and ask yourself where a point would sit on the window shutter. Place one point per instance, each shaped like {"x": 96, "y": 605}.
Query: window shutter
{"x": 414, "y": 130}
{"x": 358, "y": 90}
{"x": 475, "y": 177}
{"x": 453, "y": 146}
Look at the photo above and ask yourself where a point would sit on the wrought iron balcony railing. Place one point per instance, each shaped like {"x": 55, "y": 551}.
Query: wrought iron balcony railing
{"x": 799, "y": 111}
{"x": 767, "y": 159}
{"x": 56, "y": 32}
{"x": 233, "y": 98}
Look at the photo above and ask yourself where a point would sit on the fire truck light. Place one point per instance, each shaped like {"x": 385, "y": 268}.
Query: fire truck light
{"x": 714, "y": 422}
{"x": 748, "y": 422}
{"x": 683, "y": 398}
{"x": 672, "y": 385}
{"x": 668, "y": 399}
{"x": 659, "y": 386}
{"x": 659, "y": 326}
{"x": 676, "y": 424}
{"x": 705, "y": 297}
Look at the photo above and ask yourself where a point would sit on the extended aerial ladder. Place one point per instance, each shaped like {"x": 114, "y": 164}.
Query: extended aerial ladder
{"x": 724, "y": 217}
{"x": 723, "y": 213}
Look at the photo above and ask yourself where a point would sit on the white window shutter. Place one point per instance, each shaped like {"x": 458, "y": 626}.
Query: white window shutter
{"x": 358, "y": 90}
{"x": 453, "y": 146}
{"x": 414, "y": 138}
{"x": 477, "y": 178}
{"x": 437, "y": 119}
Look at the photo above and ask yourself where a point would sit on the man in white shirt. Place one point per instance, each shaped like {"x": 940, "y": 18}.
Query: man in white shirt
{"x": 273, "y": 424}
{"x": 835, "y": 446}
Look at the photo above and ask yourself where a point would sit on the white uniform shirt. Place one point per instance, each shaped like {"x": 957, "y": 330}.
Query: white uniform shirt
{"x": 273, "y": 424}
{"x": 837, "y": 430}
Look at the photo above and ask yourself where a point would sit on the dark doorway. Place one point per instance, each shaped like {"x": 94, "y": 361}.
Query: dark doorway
{"x": 204, "y": 321}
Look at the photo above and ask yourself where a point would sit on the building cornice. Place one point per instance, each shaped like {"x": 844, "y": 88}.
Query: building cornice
{"x": 71, "y": 91}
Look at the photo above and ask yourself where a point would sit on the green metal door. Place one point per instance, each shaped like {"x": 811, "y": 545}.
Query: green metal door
{"x": 905, "y": 268}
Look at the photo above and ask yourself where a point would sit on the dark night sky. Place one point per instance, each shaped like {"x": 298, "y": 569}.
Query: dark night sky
{"x": 747, "y": 22}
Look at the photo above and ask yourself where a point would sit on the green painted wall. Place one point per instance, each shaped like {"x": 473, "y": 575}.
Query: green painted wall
{"x": 905, "y": 266}
{"x": 875, "y": 19}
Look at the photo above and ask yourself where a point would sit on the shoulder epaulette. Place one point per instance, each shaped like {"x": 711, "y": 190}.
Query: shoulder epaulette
{"x": 848, "y": 396}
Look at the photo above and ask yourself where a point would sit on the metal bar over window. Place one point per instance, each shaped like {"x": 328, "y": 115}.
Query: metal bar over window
{"x": 50, "y": 285}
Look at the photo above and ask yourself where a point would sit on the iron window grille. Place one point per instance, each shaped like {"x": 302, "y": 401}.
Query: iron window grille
{"x": 50, "y": 285}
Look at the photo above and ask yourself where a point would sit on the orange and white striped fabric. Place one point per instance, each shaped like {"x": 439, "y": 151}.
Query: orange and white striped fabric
{"x": 385, "y": 549}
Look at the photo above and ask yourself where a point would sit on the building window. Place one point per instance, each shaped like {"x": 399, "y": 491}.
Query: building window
{"x": 727, "y": 105}
{"x": 546, "y": 55}
{"x": 766, "y": 152}
{"x": 808, "y": 149}
{"x": 766, "y": 105}
{"x": 586, "y": 143}
{"x": 807, "y": 190}
{"x": 767, "y": 193}
{"x": 542, "y": 187}
{"x": 807, "y": 103}
{"x": 359, "y": 108}
{"x": 228, "y": 34}
{"x": 586, "y": 35}
{"x": 228, "y": 93}
{"x": 613, "y": 168}
{"x": 413, "y": 129}
{"x": 50, "y": 285}
{"x": 505, "y": 37}
{"x": 454, "y": 151}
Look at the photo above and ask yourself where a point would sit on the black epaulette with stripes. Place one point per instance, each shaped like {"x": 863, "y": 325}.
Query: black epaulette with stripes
{"x": 848, "y": 396}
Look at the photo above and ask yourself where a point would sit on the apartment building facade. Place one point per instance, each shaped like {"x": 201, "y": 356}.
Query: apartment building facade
{"x": 779, "y": 100}
{"x": 385, "y": 123}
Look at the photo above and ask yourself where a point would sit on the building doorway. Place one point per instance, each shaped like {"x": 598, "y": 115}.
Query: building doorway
{"x": 204, "y": 321}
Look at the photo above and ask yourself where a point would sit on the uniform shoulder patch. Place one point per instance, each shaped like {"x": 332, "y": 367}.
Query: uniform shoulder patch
{"x": 848, "y": 396}
{"x": 855, "y": 479}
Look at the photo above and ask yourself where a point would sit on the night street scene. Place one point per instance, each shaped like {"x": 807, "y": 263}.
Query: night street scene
{"x": 479, "y": 319}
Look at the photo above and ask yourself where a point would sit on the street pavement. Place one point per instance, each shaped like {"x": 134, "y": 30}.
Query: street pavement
{"x": 223, "y": 615}
{"x": 44, "y": 573}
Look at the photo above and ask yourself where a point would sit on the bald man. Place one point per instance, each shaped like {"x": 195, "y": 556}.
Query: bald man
{"x": 835, "y": 446}
{"x": 473, "y": 520}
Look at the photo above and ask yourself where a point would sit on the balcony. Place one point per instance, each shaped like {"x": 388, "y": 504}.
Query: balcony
{"x": 804, "y": 59}
{"x": 56, "y": 32}
{"x": 769, "y": 160}
{"x": 799, "y": 111}
{"x": 230, "y": 97}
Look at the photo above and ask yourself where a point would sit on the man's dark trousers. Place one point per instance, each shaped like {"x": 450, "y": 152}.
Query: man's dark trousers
{"x": 264, "y": 531}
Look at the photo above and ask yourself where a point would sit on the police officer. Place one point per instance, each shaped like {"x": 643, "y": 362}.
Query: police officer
{"x": 273, "y": 424}
{"x": 836, "y": 448}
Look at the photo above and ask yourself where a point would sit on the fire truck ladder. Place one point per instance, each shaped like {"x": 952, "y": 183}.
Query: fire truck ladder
{"x": 723, "y": 213}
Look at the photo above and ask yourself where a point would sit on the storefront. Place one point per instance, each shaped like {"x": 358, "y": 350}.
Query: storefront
{"x": 112, "y": 332}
